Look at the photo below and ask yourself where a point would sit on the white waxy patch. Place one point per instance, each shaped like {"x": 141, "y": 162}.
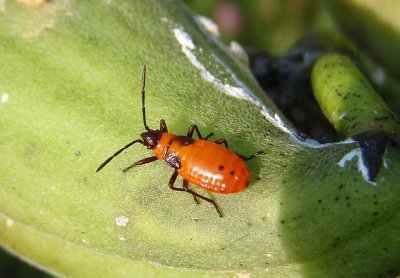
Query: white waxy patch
{"x": 385, "y": 164}
{"x": 356, "y": 153}
{"x": 379, "y": 76}
{"x": 121, "y": 221}
{"x": 4, "y": 97}
{"x": 341, "y": 116}
{"x": 184, "y": 39}
{"x": 208, "y": 25}
{"x": 9, "y": 222}
{"x": 121, "y": 238}
{"x": 237, "y": 50}
{"x": 242, "y": 91}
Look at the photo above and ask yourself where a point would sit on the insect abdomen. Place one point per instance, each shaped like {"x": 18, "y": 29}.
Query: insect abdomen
{"x": 213, "y": 167}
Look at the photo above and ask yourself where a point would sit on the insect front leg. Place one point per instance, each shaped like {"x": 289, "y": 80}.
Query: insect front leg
{"x": 141, "y": 162}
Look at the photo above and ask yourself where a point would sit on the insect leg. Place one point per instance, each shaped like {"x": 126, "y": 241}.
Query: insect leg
{"x": 172, "y": 182}
{"x": 222, "y": 141}
{"x": 141, "y": 162}
{"x": 194, "y": 194}
{"x": 205, "y": 199}
{"x": 208, "y": 136}
{"x": 117, "y": 153}
{"x": 163, "y": 126}
{"x": 192, "y": 129}
{"x": 247, "y": 158}
{"x": 186, "y": 186}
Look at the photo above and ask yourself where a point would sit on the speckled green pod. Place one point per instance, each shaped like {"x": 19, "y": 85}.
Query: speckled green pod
{"x": 347, "y": 99}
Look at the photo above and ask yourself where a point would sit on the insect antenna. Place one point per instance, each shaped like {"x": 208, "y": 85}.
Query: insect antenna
{"x": 117, "y": 153}
{"x": 143, "y": 97}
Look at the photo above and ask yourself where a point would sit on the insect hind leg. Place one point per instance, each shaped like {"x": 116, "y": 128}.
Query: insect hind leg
{"x": 247, "y": 158}
{"x": 222, "y": 141}
{"x": 194, "y": 194}
{"x": 205, "y": 199}
{"x": 185, "y": 186}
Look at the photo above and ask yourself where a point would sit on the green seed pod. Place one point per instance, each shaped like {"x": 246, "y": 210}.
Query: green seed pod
{"x": 347, "y": 99}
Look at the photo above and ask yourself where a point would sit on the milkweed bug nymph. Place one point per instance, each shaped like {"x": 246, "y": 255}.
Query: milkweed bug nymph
{"x": 206, "y": 164}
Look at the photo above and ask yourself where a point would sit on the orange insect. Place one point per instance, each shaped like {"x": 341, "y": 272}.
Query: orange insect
{"x": 199, "y": 161}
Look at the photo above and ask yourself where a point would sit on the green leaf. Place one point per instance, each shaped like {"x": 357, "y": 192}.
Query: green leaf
{"x": 70, "y": 97}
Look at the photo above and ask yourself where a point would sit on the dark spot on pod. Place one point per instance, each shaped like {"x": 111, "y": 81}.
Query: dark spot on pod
{"x": 231, "y": 173}
{"x": 220, "y": 167}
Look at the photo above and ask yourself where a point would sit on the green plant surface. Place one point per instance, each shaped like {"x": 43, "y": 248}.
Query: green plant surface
{"x": 347, "y": 99}
{"x": 374, "y": 26}
{"x": 70, "y": 97}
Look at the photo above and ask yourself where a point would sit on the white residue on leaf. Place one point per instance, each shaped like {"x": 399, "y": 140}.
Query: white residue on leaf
{"x": 121, "y": 221}
{"x": 241, "y": 91}
{"x": 379, "y": 76}
{"x": 238, "y": 51}
{"x": 243, "y": 274}
{"x": 184, "y": 39}
{"x": 341, "y": 116}
{"x": 188, "y": 48}
{"x": 356, "y": 153}
{"x": 9, "y": 222}
{"x": 208, "y": 25}
{"x": 385, "y": 163}
{"x": 4, "y": 97}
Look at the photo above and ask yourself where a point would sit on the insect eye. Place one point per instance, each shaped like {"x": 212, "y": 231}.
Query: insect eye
{"x": 151, "y": 138}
